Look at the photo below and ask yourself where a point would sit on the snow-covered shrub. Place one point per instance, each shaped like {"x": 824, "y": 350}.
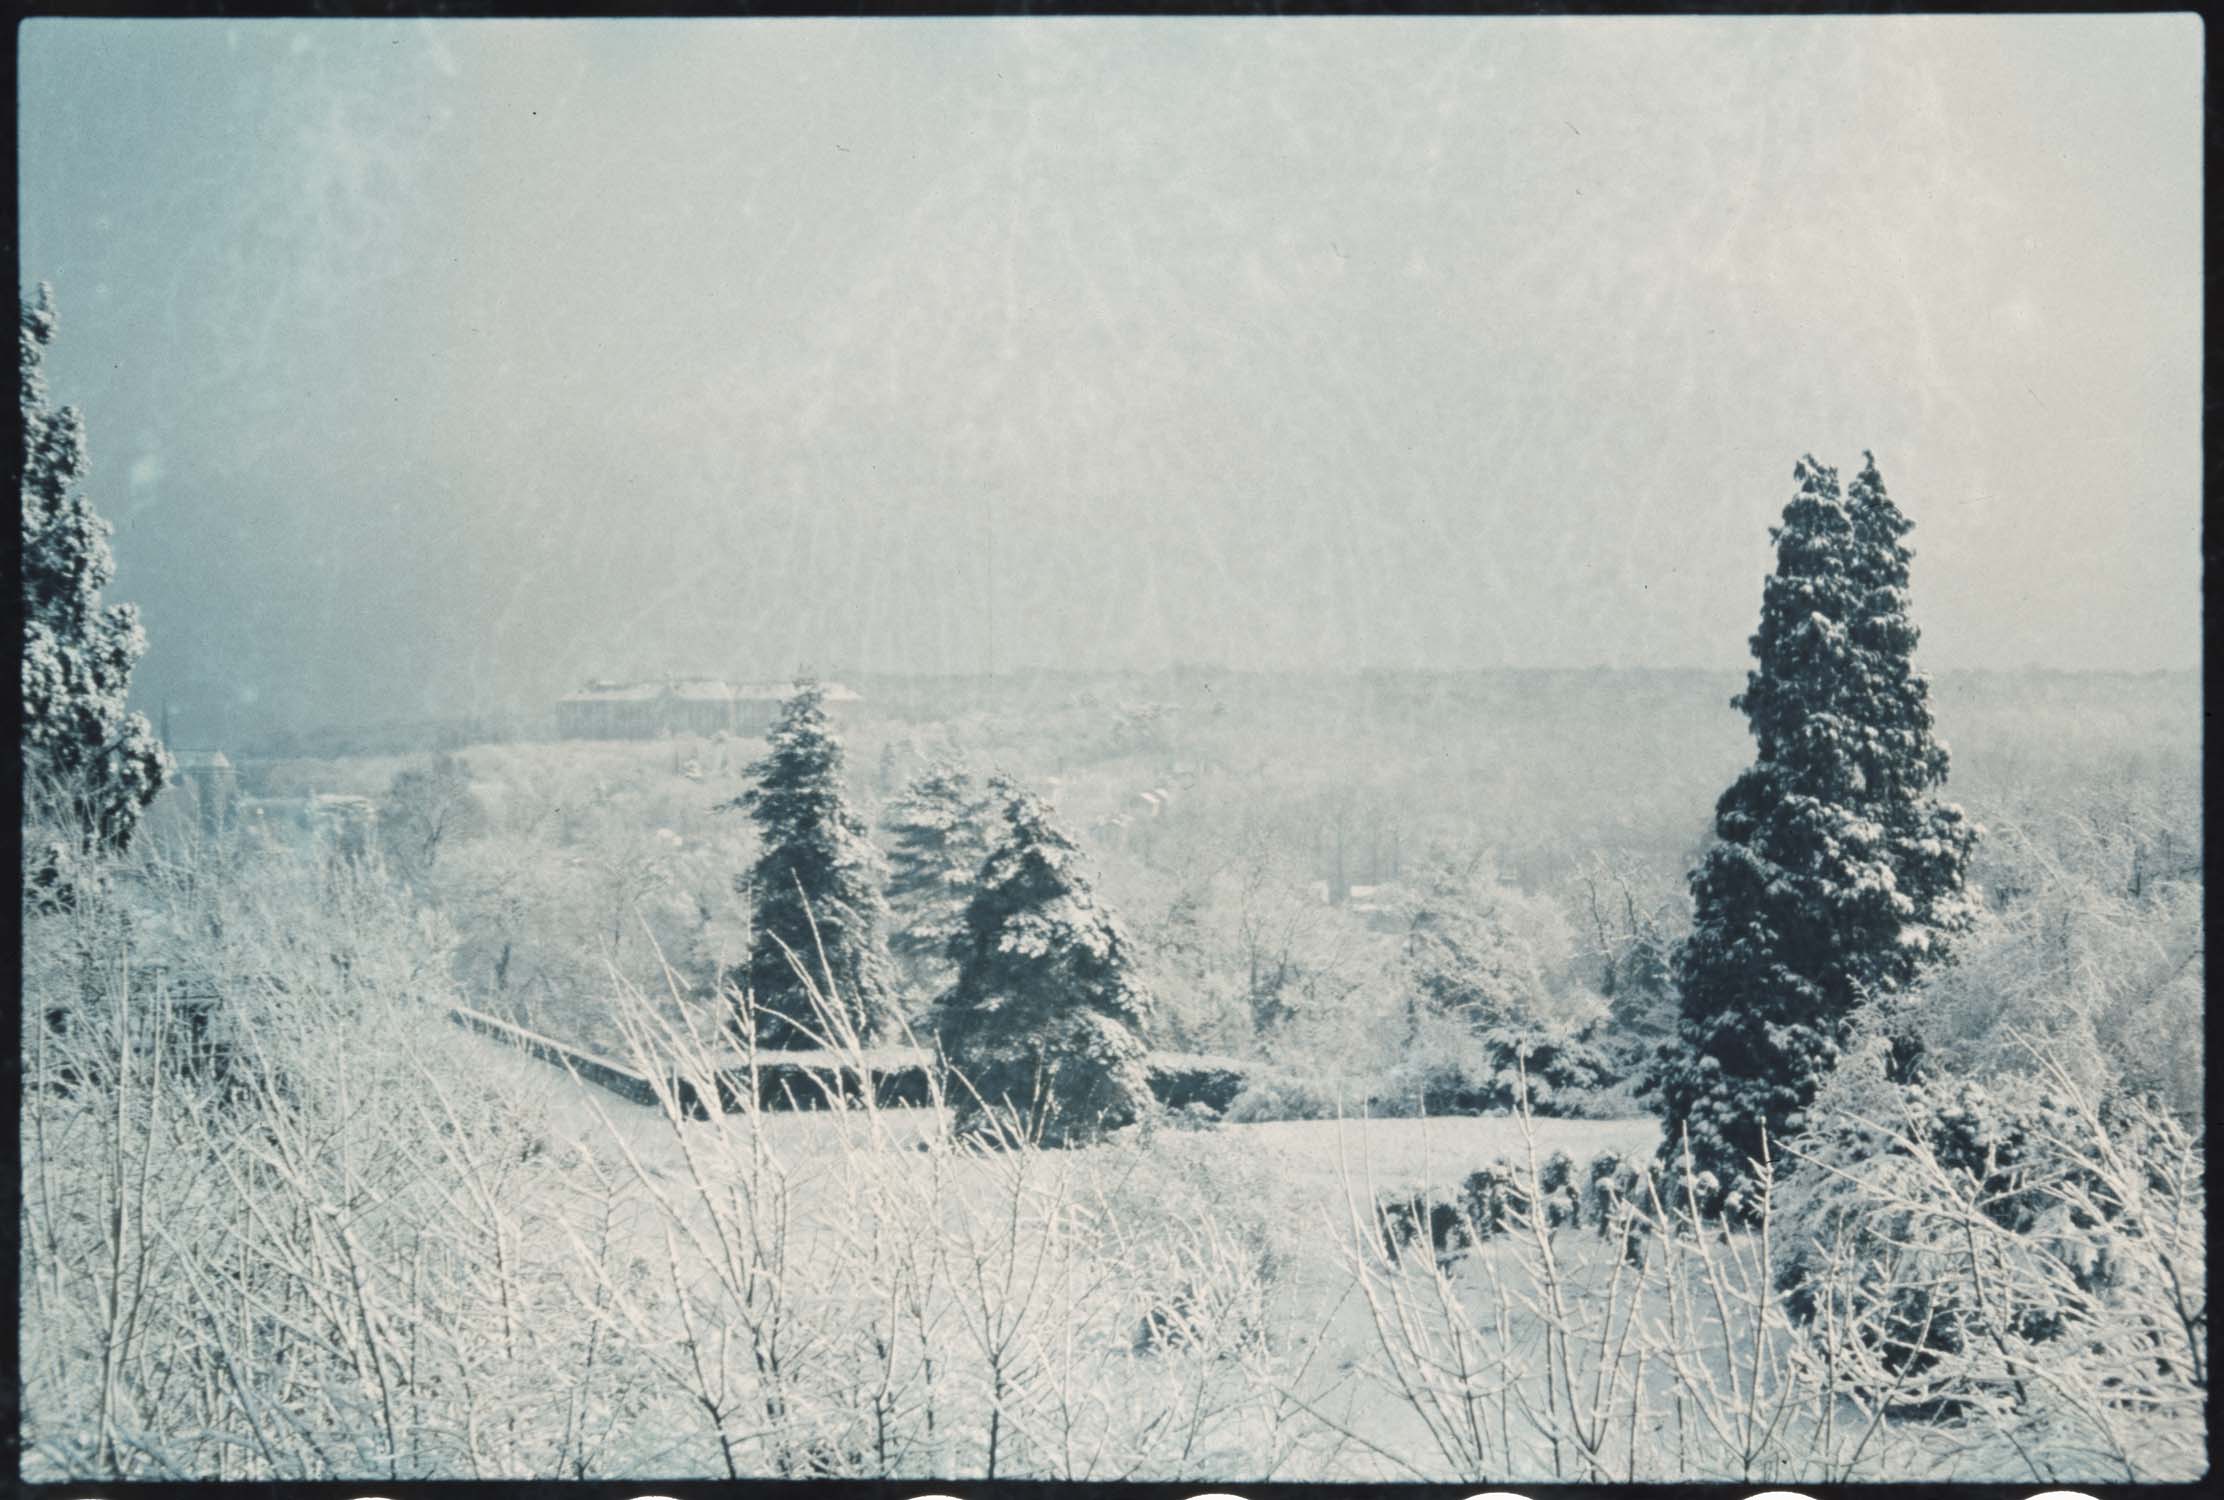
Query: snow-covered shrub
{"x": 1191, "y": 1116}
{"x": 1493, "y": 1199}
{"x": 2020, "y": 1250}
{"x": 1558, "y": 1190}
{"x": 1611, "y": 1190}
{"x": 1181, "y": 1081}
{"x": 1408, "y": 1218}
{"x": 1212, "y": 1301}
{"x": 2085, "y": 954}
{"x": 335, "y": 1258}
{"x": 1281, "y": 1094}
{"x": 1450, "y": 1070}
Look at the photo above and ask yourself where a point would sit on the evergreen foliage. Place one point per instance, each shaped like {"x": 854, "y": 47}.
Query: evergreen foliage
{"x": 1045, "y": 1021}
{"x": 816, "y": 887}
{"x": 1836, "y": 877}
{"x": 87, "y": 761}
{"x": 939, "y": 840}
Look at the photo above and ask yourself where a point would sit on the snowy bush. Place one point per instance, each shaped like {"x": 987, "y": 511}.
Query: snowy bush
{"x": 1492, "y": 1199}
{"x": 2090, "y": 950}
{"x": 1280, "y": 1094}
{"x": 1184, "y": 1081}
{"x": 1410, "y": 1220}
{"x": 1674, "y": 1349}
{"x": 2022, "y": 1249}
{"x": 1452, "y": 1070}
{"x": 324, "y": 1264}
{"x": 1611, "y": 1191}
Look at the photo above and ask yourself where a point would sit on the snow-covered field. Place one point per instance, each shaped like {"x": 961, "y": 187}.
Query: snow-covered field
{"x": 439, "y": 1257}
{"x": 1307, "y": 1173}
{"x": 1274, "y": 1218}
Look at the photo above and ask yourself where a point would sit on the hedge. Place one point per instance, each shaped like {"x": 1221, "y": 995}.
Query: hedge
{"x": 900, "y": 1079}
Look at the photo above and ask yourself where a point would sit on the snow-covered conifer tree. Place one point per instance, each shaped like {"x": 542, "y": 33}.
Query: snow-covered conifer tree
{"x": 939, "y": 839}
{"x": 1045, "y": 1021}
{"x": 816, "y": 885}
{"x": 1835, "y": 876}
{"x": 87, "y": 761}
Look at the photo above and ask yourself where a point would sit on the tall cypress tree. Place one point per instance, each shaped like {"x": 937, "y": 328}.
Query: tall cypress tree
{"x": 1836, "y": 875}
{"x": 1902, "y": 761}
{"x": 86, "y": 759}
{"x": 1046, "y": 1019}
{"x": 816, "y": 885}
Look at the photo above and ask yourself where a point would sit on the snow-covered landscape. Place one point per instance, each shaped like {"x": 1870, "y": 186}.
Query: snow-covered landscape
{"x": 977, "y": 787}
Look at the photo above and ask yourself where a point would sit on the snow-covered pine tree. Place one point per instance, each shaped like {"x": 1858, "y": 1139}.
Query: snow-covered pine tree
{"x": 939, "y": 837}
{"x": 88, "y": 763}
{"x": 1835, "y": 876}
{"x": 816, "y": 886}
{"x": 1045, "y": 1022}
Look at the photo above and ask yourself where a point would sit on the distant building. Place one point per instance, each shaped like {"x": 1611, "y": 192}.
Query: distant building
{"x": 1367, "y": 900}
{"x": 208, "y": 786}
{"x": 1377, "y": 906}
{"x": 330, "y": 824}
{"x": 341, "y": 825}
{"x": 606, "y": 710}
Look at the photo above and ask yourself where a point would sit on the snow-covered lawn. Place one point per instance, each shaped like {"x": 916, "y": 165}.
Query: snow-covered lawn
{"x": 1308, "y": 1168}
{"x": 445, "y": 1257}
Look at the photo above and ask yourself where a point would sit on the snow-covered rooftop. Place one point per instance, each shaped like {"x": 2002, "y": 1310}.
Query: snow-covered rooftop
{"x": 834, "y": 692}
{"x": 614, "y": 692}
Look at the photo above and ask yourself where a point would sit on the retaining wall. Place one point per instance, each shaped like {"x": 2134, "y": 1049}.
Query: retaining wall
{"x": 623, "y": 1082}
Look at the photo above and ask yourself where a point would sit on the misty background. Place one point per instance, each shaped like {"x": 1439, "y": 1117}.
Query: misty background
{"x": 432, "y": 368}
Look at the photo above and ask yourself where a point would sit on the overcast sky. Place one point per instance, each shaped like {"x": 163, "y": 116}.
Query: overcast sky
{"x": 438, "y": 365}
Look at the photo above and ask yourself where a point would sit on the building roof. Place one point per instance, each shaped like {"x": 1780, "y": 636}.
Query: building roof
{"x": 703, "y": 689}
{"x": 614, "y": 692}
{"x": 834, "y": 692}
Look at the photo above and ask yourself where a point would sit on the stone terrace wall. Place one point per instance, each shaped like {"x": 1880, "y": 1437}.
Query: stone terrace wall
{"x": 623, "y": 1082}
{"x": 899, "y": 1076}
